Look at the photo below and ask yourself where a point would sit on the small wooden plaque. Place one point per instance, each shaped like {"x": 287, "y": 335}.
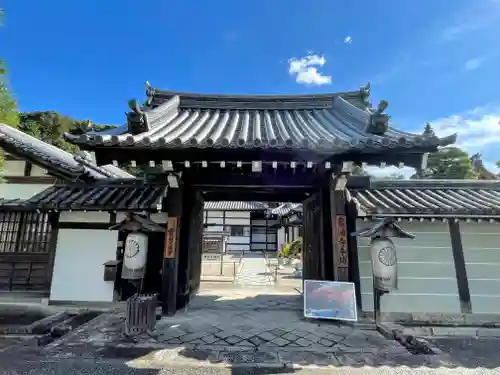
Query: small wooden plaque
{"x": 171, "y": 238}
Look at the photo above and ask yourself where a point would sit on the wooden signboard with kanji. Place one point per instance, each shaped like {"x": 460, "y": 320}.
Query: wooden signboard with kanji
{"x": 340, "y": 241}
{"x": 171, "y": 238}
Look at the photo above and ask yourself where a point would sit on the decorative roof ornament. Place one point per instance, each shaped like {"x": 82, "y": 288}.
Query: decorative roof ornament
{"x": 137, "y": 118}
{"x": 428, "y": 131}
{"x": 379, "y": 121}
{"x": 365, "y": 94}
{"x": 150, "y": 92}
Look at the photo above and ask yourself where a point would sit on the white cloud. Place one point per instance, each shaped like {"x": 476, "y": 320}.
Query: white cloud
{"x": 406, "y": 172}
{"x": 306, "y": 71}
{"x": 473, "y": 64}
{"x": 478, "y": 131}
{"x": 473, "y": 17}
{"x": 348, "y": 40}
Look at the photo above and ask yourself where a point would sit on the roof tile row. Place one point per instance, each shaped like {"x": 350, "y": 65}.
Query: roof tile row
{"x": 321, "y": 122}
{"x": 431, "y": 197}
{"x": 53, "y": 158}
{"x": 100, "y": 198}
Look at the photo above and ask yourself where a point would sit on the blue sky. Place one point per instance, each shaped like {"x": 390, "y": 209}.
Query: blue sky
{"x": 432, "y": 60}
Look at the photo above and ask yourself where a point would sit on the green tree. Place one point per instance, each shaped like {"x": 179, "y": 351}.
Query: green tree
{"x": 49, "y": 126}
{"x": 448, "y": 163}
{"x": 8, "y": 106}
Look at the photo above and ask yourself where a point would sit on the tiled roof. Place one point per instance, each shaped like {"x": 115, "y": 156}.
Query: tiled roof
{"x": 429, "y": 198}
{"x": 285, "y": 209}
{"x": 12, "y": 204}
{"x": 330, "y": 122}
{"x": 100, "y": 197}
{"x": 235, "y": 206}
{"x": 52, "y": 158}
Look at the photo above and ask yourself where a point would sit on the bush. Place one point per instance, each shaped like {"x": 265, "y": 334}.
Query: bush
{"x": 284, "y": 252}
{"x": 295, "y": 247}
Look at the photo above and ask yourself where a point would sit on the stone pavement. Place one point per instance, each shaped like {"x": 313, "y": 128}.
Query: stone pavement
{"x": 240, "y": 327}
{"x": 254, "y": 270}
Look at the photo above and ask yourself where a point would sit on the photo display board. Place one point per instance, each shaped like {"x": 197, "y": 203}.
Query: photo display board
{"x": 330, "y": 300}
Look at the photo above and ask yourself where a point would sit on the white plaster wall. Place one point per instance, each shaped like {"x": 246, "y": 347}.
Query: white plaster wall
{"x": 213, "y": 213}
{"x": 426, "y": 271}
{"x": 13, "y": 168}
{"x": 481, "y": 244}
{"x": 281, "y": 238}
{"x": 37, "y": 171}
{"x": 21, "y": 191}
{"x": 238, "y": 214}
{"x": 84, "y": 217}
{"x": 159, "y": 217}
{"x": 78, "y": 267}
{"x": 238, "y": 243}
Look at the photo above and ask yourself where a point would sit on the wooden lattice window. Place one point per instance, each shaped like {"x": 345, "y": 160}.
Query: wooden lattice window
{"x": 24, "y": 232}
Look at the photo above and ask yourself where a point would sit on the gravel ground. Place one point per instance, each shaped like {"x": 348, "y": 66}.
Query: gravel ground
{"x": 471, "y": 352}
{"x": 83, "y": 367}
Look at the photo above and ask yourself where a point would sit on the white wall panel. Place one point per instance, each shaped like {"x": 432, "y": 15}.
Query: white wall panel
{"x": 21, "y": 191}
{"x": 78, "y": 266}
{"x": 84, "y": 217}
{"x": 481, "y": 243}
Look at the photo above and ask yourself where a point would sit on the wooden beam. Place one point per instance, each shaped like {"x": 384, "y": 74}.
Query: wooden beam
{"x": 352, "y": 241}
{"x": 171, "y": 252}
{"x": 460, "y": 268}
{"x": 339, "y": 229}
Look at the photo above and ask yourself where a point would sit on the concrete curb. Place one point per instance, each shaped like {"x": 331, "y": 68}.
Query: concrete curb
{"x": 451, "y": 331}
{"x": 38, "y": 327}
{"x": 397, "y": 332}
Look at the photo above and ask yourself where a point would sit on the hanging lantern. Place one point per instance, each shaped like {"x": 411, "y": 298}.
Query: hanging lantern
{"x": 135, "y": 256}
{"x": 384, "y": 264}
{"x": 383, "y": 252}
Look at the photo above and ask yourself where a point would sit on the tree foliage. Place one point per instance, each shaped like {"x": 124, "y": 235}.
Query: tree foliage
{"x": 8, "y": 107}
{"x": 448, "y": 163}
{"x": 49, "y": 126}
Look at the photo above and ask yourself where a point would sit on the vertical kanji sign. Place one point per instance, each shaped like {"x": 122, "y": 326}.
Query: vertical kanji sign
{"x": 341, "y": 255}
{"x": 171, "y": 238}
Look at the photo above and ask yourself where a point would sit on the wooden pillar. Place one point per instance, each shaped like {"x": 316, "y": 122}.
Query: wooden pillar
{"x": 316, "y": 237}
{"x": 353, "y": 257}
{"x": 460, "y": 268}
{"x": 326, "y": 233}
{"x": 339, "y": 229}
{"x": 196, "y": 245}
{"x": 171, "y": 252}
